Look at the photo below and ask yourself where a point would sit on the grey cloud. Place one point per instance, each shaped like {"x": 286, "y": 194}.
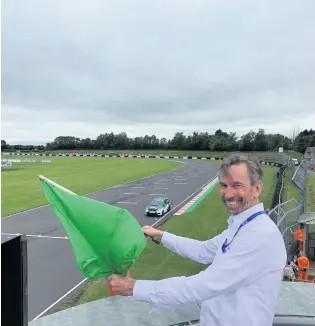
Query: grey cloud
{"x": 164, "y": 63}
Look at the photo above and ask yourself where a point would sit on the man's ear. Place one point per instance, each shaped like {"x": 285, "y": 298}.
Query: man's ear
{"x": 259, "y": 188}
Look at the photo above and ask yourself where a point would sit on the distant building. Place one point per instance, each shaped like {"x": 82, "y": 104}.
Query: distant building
{"x": 310, "y": 153}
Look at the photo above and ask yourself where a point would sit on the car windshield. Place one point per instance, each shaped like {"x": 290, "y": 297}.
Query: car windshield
{"x": 155, "y": 202}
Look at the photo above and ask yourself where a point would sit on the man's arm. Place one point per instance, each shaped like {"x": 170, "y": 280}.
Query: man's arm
{"x": 200, "y": 251}
{"x": 238, "y": 267}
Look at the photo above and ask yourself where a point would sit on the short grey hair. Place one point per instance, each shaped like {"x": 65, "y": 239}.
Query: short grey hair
{"x": 253, "y": 166}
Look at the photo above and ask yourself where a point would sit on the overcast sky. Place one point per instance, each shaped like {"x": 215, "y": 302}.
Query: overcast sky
{"x": 83, "y": 68}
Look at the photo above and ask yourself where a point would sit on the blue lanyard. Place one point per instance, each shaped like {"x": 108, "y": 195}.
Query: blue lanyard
{"x": 225, "y": 244}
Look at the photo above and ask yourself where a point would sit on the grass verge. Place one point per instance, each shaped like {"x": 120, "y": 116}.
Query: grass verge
{"x": 294, "y": 154}
{"x": 289, "y": 191}
{"x": 208, "y": 219}
{"x": 21, "y": 188}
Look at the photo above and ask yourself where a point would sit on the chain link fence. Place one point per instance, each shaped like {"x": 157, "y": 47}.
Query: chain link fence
{"x": 300, "y": 176}
{"x": 286, "y": 215}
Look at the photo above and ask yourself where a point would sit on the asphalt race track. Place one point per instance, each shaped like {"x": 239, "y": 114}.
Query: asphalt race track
{"x": 52, "y": 271}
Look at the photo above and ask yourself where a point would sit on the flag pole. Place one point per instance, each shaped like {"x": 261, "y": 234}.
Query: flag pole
{"x": 41, "y": 177}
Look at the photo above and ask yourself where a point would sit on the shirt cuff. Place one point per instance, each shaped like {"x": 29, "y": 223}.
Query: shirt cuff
{"x": 142, "y": 290}
{"x": 167, "y": 239}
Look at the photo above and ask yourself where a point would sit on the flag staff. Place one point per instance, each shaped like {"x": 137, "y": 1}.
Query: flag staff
{"x": 55, "y": 184}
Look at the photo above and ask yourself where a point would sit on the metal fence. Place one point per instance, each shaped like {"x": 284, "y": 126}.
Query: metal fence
{"x": 286, "y": 215}
{"x": 300, "y": 174}
{"x": 299, "y": 178}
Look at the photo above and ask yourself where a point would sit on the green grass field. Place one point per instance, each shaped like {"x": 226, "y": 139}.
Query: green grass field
{"x": 21, "y": 189}
{"x": 310, "y": 192}
{"x": 289, "y": 190}
{"x": 294, "y": 154}
{"x": 207, "y": 220}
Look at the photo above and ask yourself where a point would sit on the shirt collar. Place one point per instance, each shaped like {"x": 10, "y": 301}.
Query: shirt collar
{"x": 241, "y": 217}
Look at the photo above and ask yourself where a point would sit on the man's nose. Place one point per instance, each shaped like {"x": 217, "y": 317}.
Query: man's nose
{"x": 229, "y": 192}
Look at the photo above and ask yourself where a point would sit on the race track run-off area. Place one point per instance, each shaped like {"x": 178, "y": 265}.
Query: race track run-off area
{"x": 52, "y": 271}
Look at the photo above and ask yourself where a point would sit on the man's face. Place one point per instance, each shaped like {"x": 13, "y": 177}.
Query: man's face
{"x": 236, "y": 191}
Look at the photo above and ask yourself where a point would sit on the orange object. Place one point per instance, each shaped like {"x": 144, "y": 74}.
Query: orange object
{"x": 313, "y": 280}
{"x": 299, "y": 234}
{"x": 111, "y": 291}
{"x": 303, "y": 263}
{"x": 302, "y": 275}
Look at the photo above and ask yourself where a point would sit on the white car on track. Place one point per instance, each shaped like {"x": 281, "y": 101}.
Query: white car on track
{"x": 158, "y": 206}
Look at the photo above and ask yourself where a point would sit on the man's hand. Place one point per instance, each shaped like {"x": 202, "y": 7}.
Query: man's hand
{"x": 121, "y": 285}
{"x": 151, "y": 232}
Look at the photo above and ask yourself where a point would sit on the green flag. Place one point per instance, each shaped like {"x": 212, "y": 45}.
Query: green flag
{"x": 105, "y": 239}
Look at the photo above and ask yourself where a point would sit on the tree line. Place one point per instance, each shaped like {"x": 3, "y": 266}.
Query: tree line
{"x": 202, "y": 141}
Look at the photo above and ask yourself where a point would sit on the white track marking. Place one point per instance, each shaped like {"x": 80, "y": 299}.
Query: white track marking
{"x": 37, "y": 236}
{"x": 28, "y": 210}
{"x": 160, "y": 188}
{"x": 64, "y": 296}
{"x": 180, "y": 183}
{"x": 158, "y": 195}
{"x": 137, "y": 187}
{"x": 127, "y": 202}
{"x": 131, "y": 193}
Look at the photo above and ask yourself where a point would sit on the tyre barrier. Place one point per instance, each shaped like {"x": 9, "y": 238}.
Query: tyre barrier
{"x": 214, "y": 158}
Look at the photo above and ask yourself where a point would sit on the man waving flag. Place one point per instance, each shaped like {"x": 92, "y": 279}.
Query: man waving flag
{"x": 105, "y": 239}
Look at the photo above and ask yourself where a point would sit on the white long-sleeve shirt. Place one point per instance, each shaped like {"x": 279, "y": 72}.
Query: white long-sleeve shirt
{"x": 240, "y": 287}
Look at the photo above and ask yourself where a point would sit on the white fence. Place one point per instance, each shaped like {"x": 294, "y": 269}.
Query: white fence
{"x": 23, "y": 161}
